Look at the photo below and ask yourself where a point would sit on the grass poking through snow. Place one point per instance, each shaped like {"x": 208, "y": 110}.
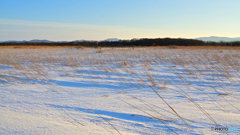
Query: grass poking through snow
{"x": 166, "y": 84}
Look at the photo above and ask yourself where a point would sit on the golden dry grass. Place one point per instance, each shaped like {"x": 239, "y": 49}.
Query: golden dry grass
{"x": 37, "y": 63}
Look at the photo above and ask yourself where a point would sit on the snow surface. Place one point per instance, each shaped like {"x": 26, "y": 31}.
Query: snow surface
{"x": 111, "y": 92}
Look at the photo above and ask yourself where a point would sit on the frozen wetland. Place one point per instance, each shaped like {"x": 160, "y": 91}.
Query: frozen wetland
{"x": 119, "y": 90}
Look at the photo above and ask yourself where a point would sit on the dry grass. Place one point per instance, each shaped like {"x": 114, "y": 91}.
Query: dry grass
{"x": 37, "y": 63}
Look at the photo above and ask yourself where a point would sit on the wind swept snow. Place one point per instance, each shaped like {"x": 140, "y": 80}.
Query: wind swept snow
{"x": 119, "y": 91}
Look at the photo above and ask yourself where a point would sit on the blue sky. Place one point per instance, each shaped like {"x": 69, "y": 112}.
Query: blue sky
{"x": 62, "y": 20}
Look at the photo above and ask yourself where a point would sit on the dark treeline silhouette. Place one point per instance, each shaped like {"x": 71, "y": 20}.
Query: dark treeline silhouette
{"x": 129, "y": 43}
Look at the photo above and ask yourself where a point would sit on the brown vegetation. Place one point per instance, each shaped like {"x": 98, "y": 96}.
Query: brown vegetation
{"x": 28, "y": 63}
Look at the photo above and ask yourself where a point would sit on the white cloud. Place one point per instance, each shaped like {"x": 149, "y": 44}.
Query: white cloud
{"x": 27, "y": 30}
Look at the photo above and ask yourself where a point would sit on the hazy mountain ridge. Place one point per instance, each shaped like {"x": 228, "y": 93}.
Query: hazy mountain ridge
{"x": 48, "y": 41}
{"x": 211, "y": 38}
{"x": 32, "y": 41}
{"x": 218, "y": 39}
{"x": 111, "y": 39}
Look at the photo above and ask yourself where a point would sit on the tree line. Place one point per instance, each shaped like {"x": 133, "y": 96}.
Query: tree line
{"x": 144, "y": 42}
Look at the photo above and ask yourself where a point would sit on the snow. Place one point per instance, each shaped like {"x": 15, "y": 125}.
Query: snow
{"x": 74, "y": 91}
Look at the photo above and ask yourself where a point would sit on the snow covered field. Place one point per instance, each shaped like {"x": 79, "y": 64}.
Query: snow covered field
{"x": 119, "y": 91}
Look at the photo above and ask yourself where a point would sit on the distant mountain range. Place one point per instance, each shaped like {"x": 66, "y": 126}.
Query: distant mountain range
{"x": 111, "y": 39}
{"x": 212, "y": 38}
{"x": 34, "y": 40}
{"x": 47, "y": 41}
{"x": 218, "y": 39}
